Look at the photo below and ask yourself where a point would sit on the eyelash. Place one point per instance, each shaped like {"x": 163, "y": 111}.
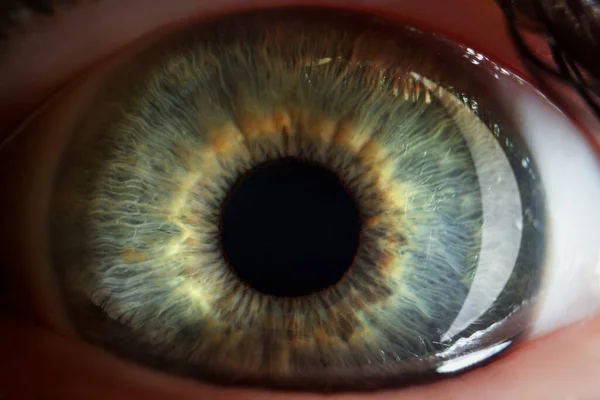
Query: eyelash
{"x": 564, "y": 65}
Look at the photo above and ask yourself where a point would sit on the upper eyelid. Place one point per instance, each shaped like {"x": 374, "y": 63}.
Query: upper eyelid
{"x": 32, "y": 80}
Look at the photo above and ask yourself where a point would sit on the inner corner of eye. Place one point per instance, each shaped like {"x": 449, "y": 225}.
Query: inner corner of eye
{"x": 295, "y": 198}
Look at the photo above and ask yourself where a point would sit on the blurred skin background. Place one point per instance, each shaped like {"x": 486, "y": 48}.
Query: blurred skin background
{"x": 43, "y": 53}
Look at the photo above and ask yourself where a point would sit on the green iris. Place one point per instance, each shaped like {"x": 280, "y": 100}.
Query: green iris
{"x": 282, "y": 200}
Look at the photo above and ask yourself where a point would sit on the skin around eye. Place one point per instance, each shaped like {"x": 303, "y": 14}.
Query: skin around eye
{"x": 578, "y": 367}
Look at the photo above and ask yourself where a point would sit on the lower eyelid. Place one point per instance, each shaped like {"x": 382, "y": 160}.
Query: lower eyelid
{"x": 564, "y": 363}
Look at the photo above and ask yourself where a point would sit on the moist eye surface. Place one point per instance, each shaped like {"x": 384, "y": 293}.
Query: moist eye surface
{"x": 297, "y": 199}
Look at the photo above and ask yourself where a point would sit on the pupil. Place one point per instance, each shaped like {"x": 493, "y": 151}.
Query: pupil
{"x": 289, "y": 228}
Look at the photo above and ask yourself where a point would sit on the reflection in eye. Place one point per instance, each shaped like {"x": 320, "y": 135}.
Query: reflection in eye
{"x": 279, "y": 199}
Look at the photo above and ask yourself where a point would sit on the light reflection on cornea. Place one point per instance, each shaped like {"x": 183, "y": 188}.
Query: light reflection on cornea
{"x": 494, "y": 69}
{"x": 489, "y": 337}
{"x": 471, "y": 359}
{"x": 474, "y": 57}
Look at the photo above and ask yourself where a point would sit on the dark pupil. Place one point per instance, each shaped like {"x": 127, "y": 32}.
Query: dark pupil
{"x": 290, "y": 228}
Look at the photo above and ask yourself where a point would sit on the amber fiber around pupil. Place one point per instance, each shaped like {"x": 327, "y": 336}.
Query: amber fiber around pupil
{"x": 280, "y": 200}
{"x": 290, "y": 228}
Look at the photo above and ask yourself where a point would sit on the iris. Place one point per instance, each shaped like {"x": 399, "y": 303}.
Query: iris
{"x": 287, "y": 200}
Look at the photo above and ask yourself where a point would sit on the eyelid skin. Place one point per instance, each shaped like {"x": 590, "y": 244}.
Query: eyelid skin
{"x": 96, "y": 368}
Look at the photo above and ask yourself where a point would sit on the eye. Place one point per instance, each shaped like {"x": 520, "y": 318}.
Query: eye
{"x": 99, "y": 172}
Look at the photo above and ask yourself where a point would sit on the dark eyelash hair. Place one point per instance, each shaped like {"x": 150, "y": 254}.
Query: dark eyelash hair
{"x": 15, "y": 15}
{"x": 571, "y": 28}
{"x": 572, "y": 31}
